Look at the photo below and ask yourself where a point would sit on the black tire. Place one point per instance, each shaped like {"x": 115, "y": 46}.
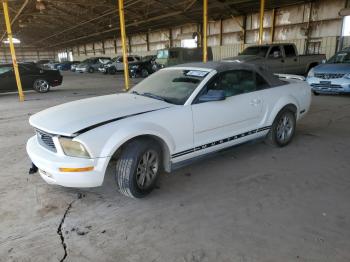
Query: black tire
{"x": 41, "y": 86}
{"x": 112, "y": 70}
{"x": 144, "y": 73}
{"x": 131, "y": 166}
{"x": 316, "y": 93}
{"x": 275, "y": 135}
{"x": 91, "y": 70}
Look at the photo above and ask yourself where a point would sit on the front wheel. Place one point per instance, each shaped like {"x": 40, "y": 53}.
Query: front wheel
{"x": 138, "y": 168}
{"x": 91, "y": 70}
{"x": 112, "y": 70}
{"x": 283, "y": 128}
{"x": 316, "y": 93}
{"x": 144, "y": 73}
{"x": 41, "y": 86}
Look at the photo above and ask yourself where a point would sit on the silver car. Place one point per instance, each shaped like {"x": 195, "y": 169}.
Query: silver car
{"x": 333, "y": 76}
{"x": 91, "y": 64}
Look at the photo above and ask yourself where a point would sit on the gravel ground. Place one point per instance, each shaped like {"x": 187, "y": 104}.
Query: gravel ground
{"x": 250, "y": 203}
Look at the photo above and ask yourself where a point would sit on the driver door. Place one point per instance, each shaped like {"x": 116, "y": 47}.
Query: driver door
{"x": 275, "y": 60}
{"x": 7, "y": 79}
{"x": 240, "y": 112}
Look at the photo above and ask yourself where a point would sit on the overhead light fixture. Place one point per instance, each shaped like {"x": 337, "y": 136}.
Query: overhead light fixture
{"x": 40, "y": 5}
{"x": 15, "y": 41}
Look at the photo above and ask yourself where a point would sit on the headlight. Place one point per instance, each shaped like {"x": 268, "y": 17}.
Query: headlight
{"x": 73, "y": 148}
{"x": 311, "y": 73}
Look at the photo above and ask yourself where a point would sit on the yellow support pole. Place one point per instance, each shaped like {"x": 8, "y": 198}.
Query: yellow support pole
{"x": 261, "y": 29}
{"x": 205, "y": 25}
{"x": 124, "y": 46}
{"x": 272, "y": 31}
{"x": 12, "y": 49}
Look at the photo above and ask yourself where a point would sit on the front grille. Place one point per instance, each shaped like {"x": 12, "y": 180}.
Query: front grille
{"x": 326, "y": 85}
{"x": 329, "y": 75}
{"x": 46, "y": 140}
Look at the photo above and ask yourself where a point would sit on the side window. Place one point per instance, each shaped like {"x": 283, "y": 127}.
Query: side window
{"x": 275, "y": 52}
{"x": 173, "y": 54}
{"x": 5, "y": 69}
{"x": 130, "y": 59}
{"x": 234, "y": 82}
{"x": 289, "y": 51}
{"x": 260, "y": 82}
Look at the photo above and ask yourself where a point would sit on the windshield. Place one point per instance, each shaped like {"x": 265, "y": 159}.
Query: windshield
{"x": 171, "y": 85}
{"x": 5, "y": 69}
{"x": 256, "y": 50}
{"x": 340, "y": 58}
{"x": 163, "y": 54}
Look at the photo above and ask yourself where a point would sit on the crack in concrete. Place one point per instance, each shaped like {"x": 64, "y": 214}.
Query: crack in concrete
{"x": 59, "y": 231}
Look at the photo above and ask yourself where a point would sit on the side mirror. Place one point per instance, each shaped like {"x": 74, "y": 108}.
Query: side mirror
{"x": 324, "y": 61}
{"x": 212, "y": 95}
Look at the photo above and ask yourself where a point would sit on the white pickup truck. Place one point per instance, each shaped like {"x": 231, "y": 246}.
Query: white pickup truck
{"x": 173, "y": 116}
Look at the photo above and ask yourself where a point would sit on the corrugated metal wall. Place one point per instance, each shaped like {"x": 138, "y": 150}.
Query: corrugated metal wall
{"x": 317, "y": 21}
{"x": 26, "y": 54}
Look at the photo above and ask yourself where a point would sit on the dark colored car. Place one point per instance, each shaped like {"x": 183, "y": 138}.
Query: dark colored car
{"x": 67, "y": 65}
{"x": 31, "y": 76}
{"x": 143, "y": 68}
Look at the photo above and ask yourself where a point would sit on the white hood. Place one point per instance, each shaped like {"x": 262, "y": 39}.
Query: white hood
{"x": 69, "y": 118}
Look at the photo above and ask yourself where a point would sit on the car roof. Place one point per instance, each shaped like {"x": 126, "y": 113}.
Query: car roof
{"x": 221, "y": 66}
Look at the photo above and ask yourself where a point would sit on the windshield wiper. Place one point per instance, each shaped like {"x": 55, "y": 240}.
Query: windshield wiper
{"x": 135, "y": 92}
{"x": 154, "y": 96}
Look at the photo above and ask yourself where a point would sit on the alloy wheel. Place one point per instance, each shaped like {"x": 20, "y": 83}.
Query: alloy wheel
{"x": 147, "y": 169}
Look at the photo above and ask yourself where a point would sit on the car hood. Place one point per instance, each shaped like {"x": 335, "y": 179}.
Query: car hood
{"x": 71, "y": 118}
{"x": 332, "y": 68}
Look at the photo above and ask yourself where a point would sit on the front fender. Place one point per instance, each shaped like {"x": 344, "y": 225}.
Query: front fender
{"x": 105, "y": 140}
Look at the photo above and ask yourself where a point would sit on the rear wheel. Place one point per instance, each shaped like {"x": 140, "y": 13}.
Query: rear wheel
{"x": 41, "y": 86}
{"x": 138, "y": 168}
{"x": 144, "y": 72}
{"x": 91, "y": 70}
{"x": 283, "y": 128}
{"x": 316, "y": 93}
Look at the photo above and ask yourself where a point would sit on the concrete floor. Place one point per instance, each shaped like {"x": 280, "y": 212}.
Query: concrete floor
{"x": 252, "y": 203}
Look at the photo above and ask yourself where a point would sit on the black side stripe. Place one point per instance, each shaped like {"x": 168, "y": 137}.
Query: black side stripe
{"x": 81, "y": 131}
{"x": 221, "y": 141}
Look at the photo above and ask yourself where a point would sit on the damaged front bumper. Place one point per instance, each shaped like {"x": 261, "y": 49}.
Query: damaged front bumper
{"x": 50, "y": 165}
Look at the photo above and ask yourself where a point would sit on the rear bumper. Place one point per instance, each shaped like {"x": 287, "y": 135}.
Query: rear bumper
{"x": 49, "y": 163}
{"x": 57, "y": 81}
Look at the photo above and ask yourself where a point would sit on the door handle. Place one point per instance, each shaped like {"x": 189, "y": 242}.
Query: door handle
{"x": 255, "y": 102}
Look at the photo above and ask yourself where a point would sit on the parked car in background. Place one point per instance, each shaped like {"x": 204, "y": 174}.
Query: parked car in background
{"x": 179, "y": 55}
{"x": 279, "y": 58}
{"x": 51, "y": 65}
{"x": 40, "y": 63}
{"x": 67, "y": 65}
{"x": 333, "y": 76}
{"x": 143, "y": 68}
{"x": 32, "y": 77}
{"x": 91, "y": 64}
{"x": 117, "y": 64}
{"x": 175, "y": 115}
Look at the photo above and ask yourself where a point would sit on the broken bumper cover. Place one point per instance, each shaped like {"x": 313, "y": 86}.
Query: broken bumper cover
{"x": 49, "y": 164}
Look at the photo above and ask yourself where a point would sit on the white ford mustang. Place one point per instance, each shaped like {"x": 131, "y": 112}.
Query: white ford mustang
{"x": 175, "y": 115}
